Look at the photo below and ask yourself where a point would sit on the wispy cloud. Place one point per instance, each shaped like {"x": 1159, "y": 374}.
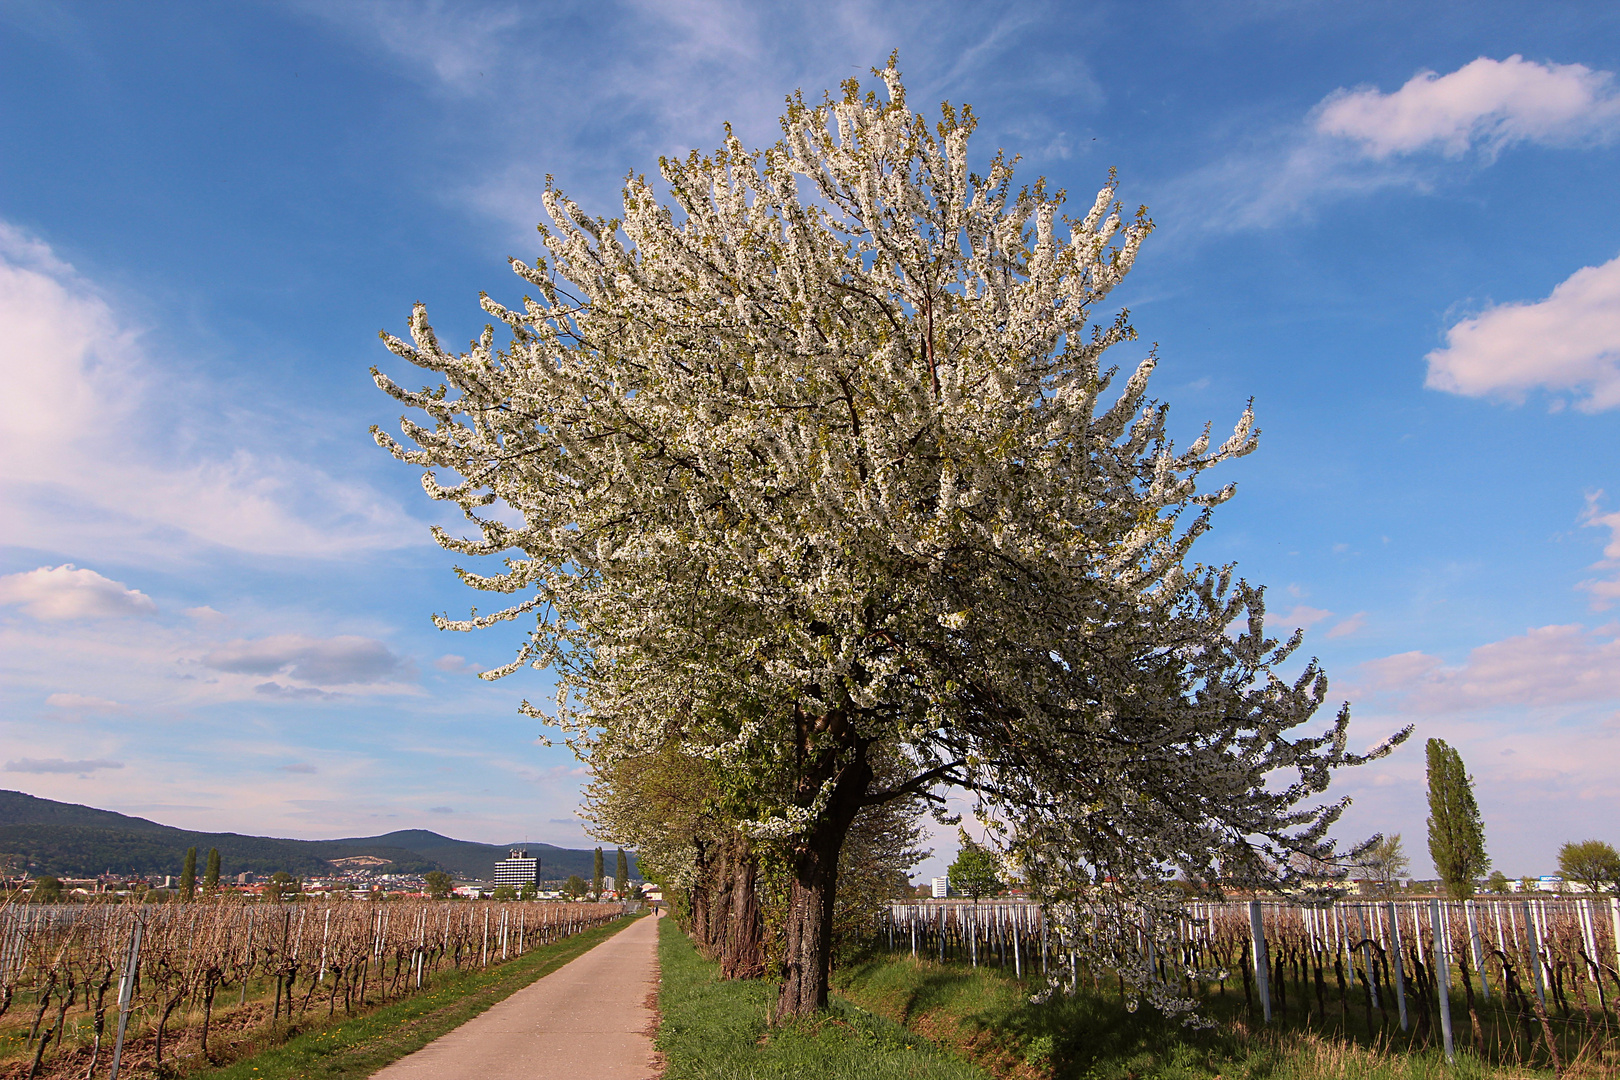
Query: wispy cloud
{"x": 99, "y": 457}
{"x": 1357, "y": 142}
{"x": 83, "y": 703}
{"x": 60, "y": 765}
{"x": 1606, "y": 590}
{"x": 1303, "y": 617}
{"x": 334, "y": 661}
{"x": 1568, "y": 342}
{"x": 676, "y": 70}
{"x": 1346, "y": 627}
{"x": 1543, "y": 667}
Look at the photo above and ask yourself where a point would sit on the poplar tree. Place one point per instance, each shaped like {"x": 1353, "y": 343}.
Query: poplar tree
{"x": 596, "y": 874}
{"x": 820, "y": 464}
{"x": 188, "y": 875}
{"x": 621, "y": 873}
{"x": 211, "y": 873}
{"x": 1456, "y": 834}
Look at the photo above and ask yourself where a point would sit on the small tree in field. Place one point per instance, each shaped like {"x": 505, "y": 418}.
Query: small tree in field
{"x": 1456, "y": 834}
{"x": 976, "y": 871}
{"x": 823, "y": 478}
{"x": 1385, "y": 863}
{"x": 1592, "y": 863}
{"x": 438, "y": 884}
{"x": 574, "y": 887}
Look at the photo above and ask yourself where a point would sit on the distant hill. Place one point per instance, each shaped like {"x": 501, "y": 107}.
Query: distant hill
{"x": 70, "y": 840}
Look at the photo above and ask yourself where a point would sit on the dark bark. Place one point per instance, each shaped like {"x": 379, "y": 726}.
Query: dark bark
{"x": 210, "y": 984}
{"x": 744, "y": 953}
{"x": 808, "y": 933}
{"x": 718, "y": 922}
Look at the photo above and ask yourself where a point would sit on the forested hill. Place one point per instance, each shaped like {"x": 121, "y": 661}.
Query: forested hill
{"x": 69, "y": 840}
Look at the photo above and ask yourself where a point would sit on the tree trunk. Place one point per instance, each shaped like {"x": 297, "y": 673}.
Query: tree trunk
{"x": 808, "y": 955}
{"x": 744, "y": 956}
{"x": 718, "y": 922}
{"x": 697, "y": 898}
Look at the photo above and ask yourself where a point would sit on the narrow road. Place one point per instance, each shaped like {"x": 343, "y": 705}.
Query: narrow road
{"x": 589, "y": 1018}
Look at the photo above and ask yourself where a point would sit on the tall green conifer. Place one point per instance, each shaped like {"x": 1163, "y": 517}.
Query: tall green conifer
{"x": 1456, "y": 834}
{"x": 621, "y": 873}
{"x": 188, "y": 875}
{"x": 596, "y": 874}
{"x": 211, "y": 875}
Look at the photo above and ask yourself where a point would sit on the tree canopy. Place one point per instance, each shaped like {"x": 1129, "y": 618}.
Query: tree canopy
{"x": 1593, "y": 863}
{"x": 976, "y": 871}
{"x": 818, "y": 467}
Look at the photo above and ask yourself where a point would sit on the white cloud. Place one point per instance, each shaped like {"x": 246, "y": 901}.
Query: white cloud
{"x": 62, "y": 592}
{"x": 1545, "y": 666}
{"x": 82, "y": 703}
{"x": 334, "y": 661}
{"x": 456, "y": 665}
{"x": 59, "y": 765}
{"x": 1569, "y": 342}
{"x": 1489, "y": 103}
{"x": 99, "y": 457}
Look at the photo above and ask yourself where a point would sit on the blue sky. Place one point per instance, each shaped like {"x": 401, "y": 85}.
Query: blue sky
{"x": 1397, "y": 232}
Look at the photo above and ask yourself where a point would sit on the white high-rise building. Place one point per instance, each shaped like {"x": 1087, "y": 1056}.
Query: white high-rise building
{"x": 518, "y": 870}
{"x": 942, "y": 888}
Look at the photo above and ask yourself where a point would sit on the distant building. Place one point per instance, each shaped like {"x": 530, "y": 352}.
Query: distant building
{"x": 942, "y": 888}
{"x": 517, "y": 870}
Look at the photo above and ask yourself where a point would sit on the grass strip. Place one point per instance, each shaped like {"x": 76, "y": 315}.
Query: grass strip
{"x": 988, "y": 1017}
{"x": 357, "y": 1046}
{"x": 713, "y": 1029}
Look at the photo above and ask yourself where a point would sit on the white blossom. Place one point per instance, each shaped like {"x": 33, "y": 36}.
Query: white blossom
{"x": 824, "y": 455}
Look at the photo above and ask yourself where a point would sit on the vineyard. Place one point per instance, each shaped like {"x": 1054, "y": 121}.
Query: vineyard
{"x": 109, "y": 990}
{"x": 1520, "y": 981}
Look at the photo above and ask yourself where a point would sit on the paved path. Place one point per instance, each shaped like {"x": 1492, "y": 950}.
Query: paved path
{"x": 589, "y": 1018}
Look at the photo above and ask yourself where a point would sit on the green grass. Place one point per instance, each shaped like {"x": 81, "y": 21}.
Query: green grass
{"x": 716, "y": 1030}
{"x": 353, "y": 1047}
{"x": 988, "y": 1017}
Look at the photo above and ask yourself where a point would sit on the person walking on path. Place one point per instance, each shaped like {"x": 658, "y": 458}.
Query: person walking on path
{"x": 591, "y": 1017}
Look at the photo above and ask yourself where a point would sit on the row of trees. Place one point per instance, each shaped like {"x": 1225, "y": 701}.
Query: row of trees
{"x": 819, "y": 496}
